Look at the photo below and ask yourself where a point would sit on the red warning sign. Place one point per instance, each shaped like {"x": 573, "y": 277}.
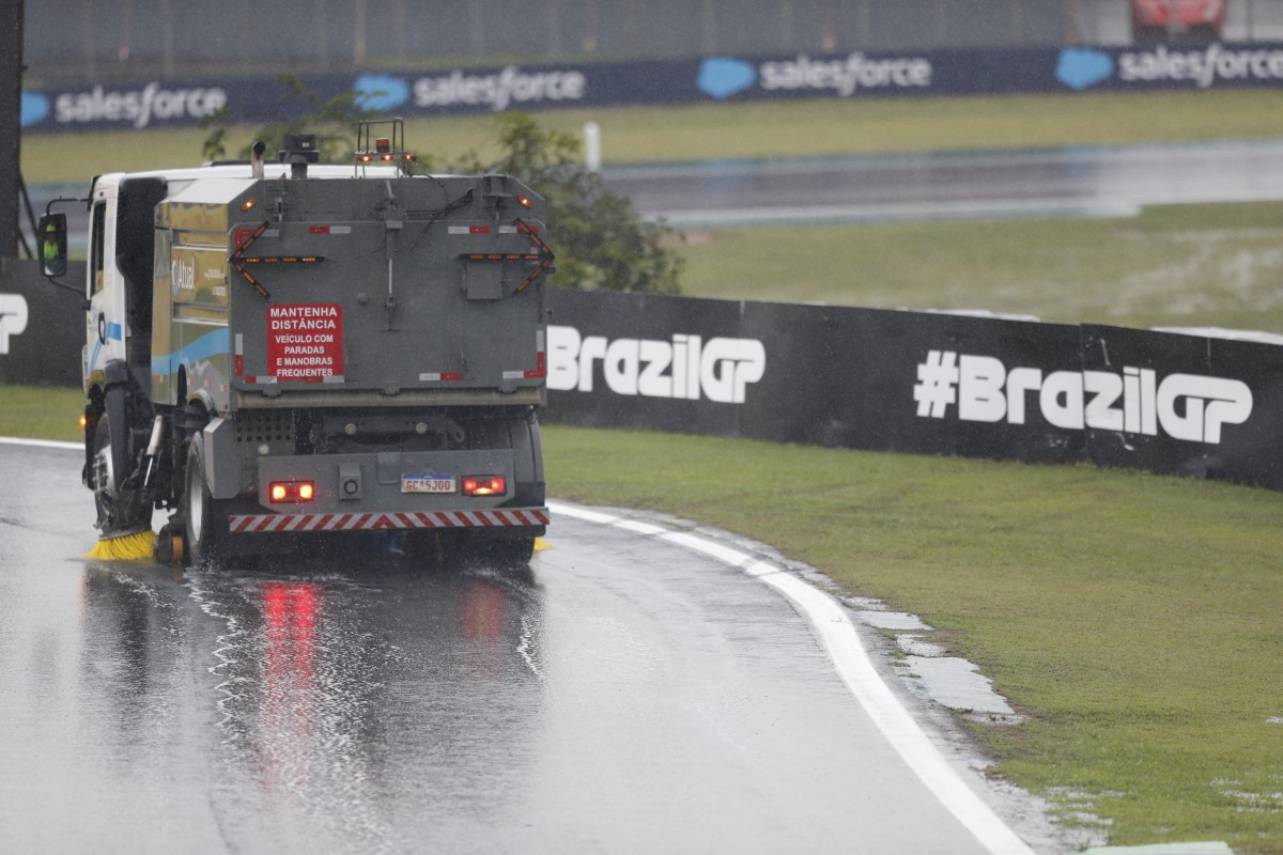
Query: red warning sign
{"x": 305, "y": 341}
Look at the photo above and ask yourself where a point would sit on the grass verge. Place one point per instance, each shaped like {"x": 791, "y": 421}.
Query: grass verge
{"x": 1132, "y": 618}
{"x": 42, "y": 412}
{"x": 1204, "y": 265}
{"x": 756, "y": 129}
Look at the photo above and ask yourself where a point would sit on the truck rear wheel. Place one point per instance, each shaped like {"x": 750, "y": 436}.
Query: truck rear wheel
{"x": 205, "y": 524}
{"x": 516, "y": 552}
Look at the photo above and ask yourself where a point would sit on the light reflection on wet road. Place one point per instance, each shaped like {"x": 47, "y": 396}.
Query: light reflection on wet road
{"x": 622, "y": 695}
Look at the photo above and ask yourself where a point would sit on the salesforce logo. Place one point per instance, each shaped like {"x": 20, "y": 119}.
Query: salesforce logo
{"x": 35, "y": 108}
{"x": 1083, "y": 68}
{"x": 377, "y": 92}
{"x": 722, "y": 77}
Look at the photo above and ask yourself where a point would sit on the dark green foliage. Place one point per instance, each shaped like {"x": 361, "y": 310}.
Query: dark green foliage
{"x": 600, "y": 241}
{"x": 333, "y": 121}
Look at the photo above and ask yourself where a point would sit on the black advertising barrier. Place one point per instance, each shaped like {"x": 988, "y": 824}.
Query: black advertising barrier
{"x": 919, "y": 382}
{"x": 845, "y": 377}
{"x": 186, "y": 102}
{"x": 42, "y": 327}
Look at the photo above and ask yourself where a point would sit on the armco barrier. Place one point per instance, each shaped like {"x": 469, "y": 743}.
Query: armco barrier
{"x": 855, "y": 378}
{"x": 920, "y": 382}
{"x": 152, "y": 103}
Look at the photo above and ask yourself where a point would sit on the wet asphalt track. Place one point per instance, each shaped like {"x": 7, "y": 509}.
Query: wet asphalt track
{"x": 1089, "y": 180}
{"x": 623, "y": 695}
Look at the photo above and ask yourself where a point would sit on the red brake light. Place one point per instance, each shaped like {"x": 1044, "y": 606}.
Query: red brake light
{"x": 485, "y": 485}
{"x": 291, "y": 491}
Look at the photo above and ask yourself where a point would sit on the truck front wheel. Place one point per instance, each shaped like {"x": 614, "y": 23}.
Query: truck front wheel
{"x": 121, "y": 509}
{"x": 206, "y": 527}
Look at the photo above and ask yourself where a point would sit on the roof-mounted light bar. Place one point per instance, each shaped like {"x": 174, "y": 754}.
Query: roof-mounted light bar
{"x": 383, "y": 149}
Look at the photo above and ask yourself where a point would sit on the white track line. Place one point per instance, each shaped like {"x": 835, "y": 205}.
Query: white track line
{"x": 838, "y": 637}
{"x": 41, "y": 443}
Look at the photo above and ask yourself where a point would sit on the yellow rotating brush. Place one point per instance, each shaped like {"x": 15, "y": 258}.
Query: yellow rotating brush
{"x": 132, "y": 546}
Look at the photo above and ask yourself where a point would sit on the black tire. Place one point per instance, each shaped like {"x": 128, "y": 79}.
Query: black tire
{"x": 126, "y": 511}
{"x": 204, "y": 523}
{"x": 512, "y": 553}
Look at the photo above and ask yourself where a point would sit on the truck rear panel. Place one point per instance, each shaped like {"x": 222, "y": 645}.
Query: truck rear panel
{"x": 379, "y": 339}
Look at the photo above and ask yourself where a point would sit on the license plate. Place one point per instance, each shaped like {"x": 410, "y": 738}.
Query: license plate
{"x": 426, "y": 484}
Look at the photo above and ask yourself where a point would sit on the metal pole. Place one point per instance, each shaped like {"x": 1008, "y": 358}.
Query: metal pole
{"x": 592, "y": 146}
{"x": 358, "y": 36}
{"x": 552, "y": 20}
{"x": 167, "y": 36}
{"x": 10, "y": 131}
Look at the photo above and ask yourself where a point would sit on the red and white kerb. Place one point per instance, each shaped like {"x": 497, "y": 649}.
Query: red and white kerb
{"x": 500, "y": 518}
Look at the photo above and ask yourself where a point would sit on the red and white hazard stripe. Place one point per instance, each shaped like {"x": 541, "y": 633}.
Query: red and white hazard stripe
{"x": 506, "y": 517}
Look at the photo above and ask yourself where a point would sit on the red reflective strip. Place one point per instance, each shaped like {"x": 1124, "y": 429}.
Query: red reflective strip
{"x": 502, "y": 517}
{"x": 316, "y": 521}
{"x": 293, "y": 520}
{"x": 478, "y": 230}
{"x": 238, "y": 523}
{"x": 451, "y": 375}
{"x": 319, "y": 230}
{"x": 407, "y": 521}
{"x": 384, "y": 521}
{"x": 519, "y": 515}
{"x": 541, "y": 516}
{"x": 240, "y": 365}
{"x": 265, "y": 523}
{"x": 358, "y": 522}
{"x": 463, "y": 520}
{"x": 540, "y": 370}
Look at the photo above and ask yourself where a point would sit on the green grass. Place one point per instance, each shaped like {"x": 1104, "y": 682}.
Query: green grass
{"x": 1133, "y": 618}
{"x": 44, "y": 412}
{"x": 1205, "y": 265}
{"x": 795, "y": 128}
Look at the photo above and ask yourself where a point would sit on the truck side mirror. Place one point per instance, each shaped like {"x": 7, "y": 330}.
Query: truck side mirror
{"x": 53, "y": 244}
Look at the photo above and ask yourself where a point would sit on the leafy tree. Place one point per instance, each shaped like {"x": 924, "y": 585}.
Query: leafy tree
{"x": 332, "y": 120}
{"x": 602, "y": 244}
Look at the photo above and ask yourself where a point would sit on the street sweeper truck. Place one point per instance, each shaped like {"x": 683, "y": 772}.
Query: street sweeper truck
{"x": 296, "y": 351}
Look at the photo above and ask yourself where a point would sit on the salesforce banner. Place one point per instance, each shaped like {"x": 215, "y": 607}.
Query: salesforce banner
{"x": 173, "y": 103}
{"x": 919, "y": 382}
